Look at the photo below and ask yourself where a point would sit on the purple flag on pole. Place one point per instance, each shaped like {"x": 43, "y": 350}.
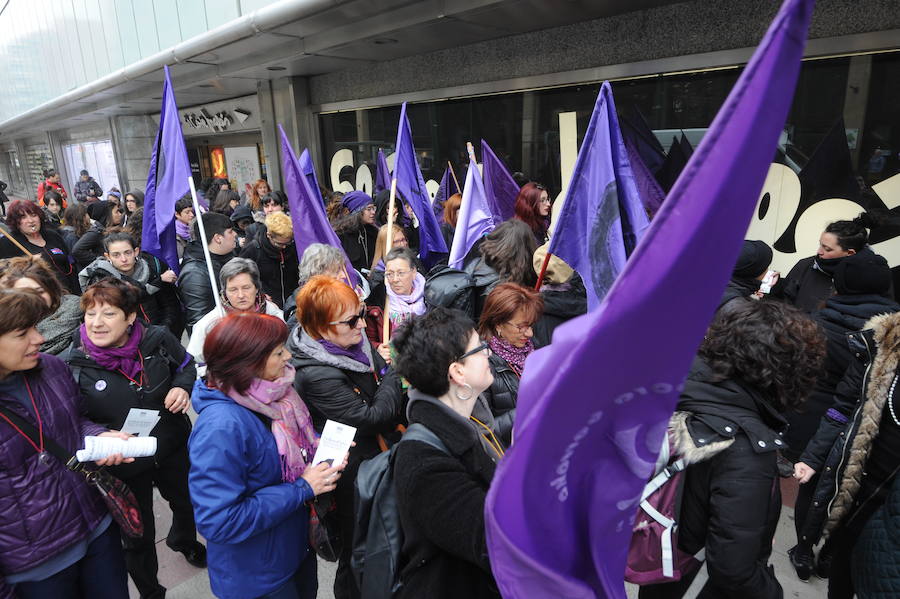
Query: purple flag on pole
{"x": 562, "y": 503}
{"x": 307, "y": 211}
{"x": 603, "y": 217}
{"x": 501, "y": 188}
{"x": 651, "y": 193}
{"x": 309, "y": 171}
{"x": 411, "y": 186}
{"x": 446, "y": 189}
{"x": 382, "y": 173}
{"x": 167, "y": 182}
{"x": 474, "y": 218}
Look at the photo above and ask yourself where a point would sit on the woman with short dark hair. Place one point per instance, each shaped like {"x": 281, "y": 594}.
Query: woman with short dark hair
{"x": 507, "y": 325}
{"x": 28, "y": 226}
{"x": 757, "y": 361}
{"x": 56, "y": 537}
{"x": 251, "y": 451}
{"x": 65, "y": 311}
{"x": 357, "y": 231}
{"x": 441, "y": 492}
{"x": 121, "y": 364}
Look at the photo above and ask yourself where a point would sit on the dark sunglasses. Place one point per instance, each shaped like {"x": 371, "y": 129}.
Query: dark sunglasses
{"x": 353, "y": 320}
{"x": 484, "y": 347}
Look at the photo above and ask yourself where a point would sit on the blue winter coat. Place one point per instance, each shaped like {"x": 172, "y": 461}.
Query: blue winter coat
{"x": 255, "y": 524}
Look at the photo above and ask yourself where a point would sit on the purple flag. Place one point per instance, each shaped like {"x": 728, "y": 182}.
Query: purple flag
{"x": 167, "y": 182}
{"x": 446, "y": 189}
{"x": 309, "y": 171}
{"x": 307, "y": 211}
{"x": 603, "y": 217}
{"x": 651, "y": 193}
{"x": 474, "y": 219}
{"x": 411, "y": 186}
{"x": 501, "y": 188}
{"x": 382, "y": 173}
{"x": 593, "y": 406}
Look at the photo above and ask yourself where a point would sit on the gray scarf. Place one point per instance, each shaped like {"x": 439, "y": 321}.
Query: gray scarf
{"x": 141, "y": 274}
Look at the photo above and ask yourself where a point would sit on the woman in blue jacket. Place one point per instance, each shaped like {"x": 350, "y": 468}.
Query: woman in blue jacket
{"x": 250, "y": 453}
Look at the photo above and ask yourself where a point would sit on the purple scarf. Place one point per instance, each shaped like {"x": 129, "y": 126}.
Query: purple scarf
{"x": 125, "y": 358}
{"x": 182, "y": 230}
{"x": 291, "y": 423}
{"x": 354, "y": 352}
{"x": 514, "y": 356}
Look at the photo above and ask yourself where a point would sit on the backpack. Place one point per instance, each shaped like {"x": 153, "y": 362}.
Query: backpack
{"x": 653, "y": 555}
{"x": 377, "y": 534}
{"x": 450, "y": 288}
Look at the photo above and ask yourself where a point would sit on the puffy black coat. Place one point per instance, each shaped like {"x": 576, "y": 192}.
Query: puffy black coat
{"x": 737, "y": 288}
{"x": 501, "y": 397}
{"x": 731, "y": 497}
{"x": 560, "y": 305}
{"x": 83, "y": 189}
{"x": 89, "y": 247}
{"x": 441, "y": 502}
{"x": 876, "y": 556}
{"x": 278, "y": 268}
{"x": 842, "y": 314}
{"x": 806, "y": 286}
{"x": 161, "y": 307}
{"x": 193, "y": 282}
{"x": 109, "y": 395}
{"x": 358, "y": 241}
{"x": 486, "y": 278}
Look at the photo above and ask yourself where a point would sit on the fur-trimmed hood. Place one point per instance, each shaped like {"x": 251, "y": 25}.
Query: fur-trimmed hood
{"x": 683, "y": 443}
{"x": 882, "y": 371}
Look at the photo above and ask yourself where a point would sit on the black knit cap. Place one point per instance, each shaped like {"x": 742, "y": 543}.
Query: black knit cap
{"x": 863, "y": 273}
{"x": 755, "y": 258}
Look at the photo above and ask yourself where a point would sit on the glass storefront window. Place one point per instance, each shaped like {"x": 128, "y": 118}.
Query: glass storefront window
{"x": 97, "y": 158}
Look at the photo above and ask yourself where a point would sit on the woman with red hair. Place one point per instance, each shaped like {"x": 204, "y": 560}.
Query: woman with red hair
{"x": 533, "y": 208}
{"x": 251, "y": 451}
{"x": 28, "y": 225}
{"x": 342, "y": 379}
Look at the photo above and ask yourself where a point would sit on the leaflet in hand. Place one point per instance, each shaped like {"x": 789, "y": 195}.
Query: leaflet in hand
{"x": 97, "y": 448}
{"x": 335, "y": 443}
{"x": 140, "y": 422}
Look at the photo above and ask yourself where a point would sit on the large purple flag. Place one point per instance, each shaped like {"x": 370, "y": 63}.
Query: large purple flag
{"x": 167, "y": 182}
{"x": 603, "y": 217}
{"x": 593, "y": 406}
{"x": 382, "y": 173}
{"x": 501, "y": 188}
{"x": 309, "y": 171}
{"x": 307, "y": 211}
{"x": 474, "y": 219}
{"x": 411, "y": 186}
{"x": 446, "y": 189}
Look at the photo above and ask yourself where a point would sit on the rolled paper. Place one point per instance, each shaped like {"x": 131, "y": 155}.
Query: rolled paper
{"x": 97, "y": 448}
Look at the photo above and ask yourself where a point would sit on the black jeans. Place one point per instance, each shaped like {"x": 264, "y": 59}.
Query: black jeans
{"x": 100, "y": 574}
{"x": 170, "y": 477}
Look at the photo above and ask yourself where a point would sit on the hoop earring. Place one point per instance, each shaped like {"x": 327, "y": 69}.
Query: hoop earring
{"x": 469, "y": 396}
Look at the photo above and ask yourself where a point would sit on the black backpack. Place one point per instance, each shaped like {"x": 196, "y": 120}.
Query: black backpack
{"x": 450, "y": 288}
{"x": 377, "y": 535}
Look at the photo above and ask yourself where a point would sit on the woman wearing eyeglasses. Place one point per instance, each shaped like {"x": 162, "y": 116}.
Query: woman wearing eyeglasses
{"x": 533, "y": 208}
{"x": 357, "y": 230}
{"x": 341, "y": 378}
{"x": 441, "y": 494}
{"x": 274, "y": 253}
{"x": 506, "y": 323}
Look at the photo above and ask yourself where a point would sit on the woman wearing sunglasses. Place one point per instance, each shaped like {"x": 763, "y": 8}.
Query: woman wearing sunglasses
{"x": 341, "y": 378}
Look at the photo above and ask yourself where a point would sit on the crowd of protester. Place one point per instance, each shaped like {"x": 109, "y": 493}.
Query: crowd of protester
{"x": 795, "y": 378}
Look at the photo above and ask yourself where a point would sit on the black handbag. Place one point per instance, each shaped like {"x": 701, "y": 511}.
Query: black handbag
{"x": 324, "y": 529}
{"x": 120, "y": 501}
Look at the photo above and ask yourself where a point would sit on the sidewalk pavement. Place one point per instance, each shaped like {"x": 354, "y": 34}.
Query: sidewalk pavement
{"x": 186, "y": 582}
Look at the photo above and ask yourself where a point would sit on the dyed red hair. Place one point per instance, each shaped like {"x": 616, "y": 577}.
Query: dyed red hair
{"x": 119, "y": 294}
{"x": 503, "y": 302}
{"x": 237, "y": 347}
{"x": 528, "y": 204}
{"x": 322, "y": 300}
{"x": 19, "y": 209}
{"x": 451, "y": 209}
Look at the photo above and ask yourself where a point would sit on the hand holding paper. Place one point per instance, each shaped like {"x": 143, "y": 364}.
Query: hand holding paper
{"x": 98, "y": 448}
{"x": 334, "y": 443}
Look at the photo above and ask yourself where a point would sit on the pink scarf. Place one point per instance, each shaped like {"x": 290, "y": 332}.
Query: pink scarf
{"x": 291, "y": 423}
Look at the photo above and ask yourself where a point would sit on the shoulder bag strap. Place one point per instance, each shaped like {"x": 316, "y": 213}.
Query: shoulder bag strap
{"x": 52, "y": 447}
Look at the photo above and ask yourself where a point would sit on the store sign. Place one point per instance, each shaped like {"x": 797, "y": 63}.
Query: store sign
{"x": 228, "y": 116}
{"x": 203, "y": 120}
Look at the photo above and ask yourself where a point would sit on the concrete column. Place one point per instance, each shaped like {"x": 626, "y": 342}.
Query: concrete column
{"x": 268, "y": 128}
{"x": 134, "y": 137}
{"x": 291, "y": 103}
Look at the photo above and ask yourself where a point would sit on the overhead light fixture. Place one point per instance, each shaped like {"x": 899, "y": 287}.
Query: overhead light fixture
{"x": 382, "y": 41}
{"x": 205, "y": 85}
{"x": 124, "y": 106}
{"x": 156, "y": 98}
{"x": 276, "y": 68}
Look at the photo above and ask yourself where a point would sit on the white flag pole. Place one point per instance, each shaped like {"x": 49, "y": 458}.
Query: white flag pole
{"x": 203, "y": 241}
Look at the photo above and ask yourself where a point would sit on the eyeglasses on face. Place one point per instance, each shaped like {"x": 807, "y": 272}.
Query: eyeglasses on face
{"x": 483, "y": 347}
{"x": 398, "y": 274}
{"x": 353, "y": 320}
{"x": 521, "y": 327}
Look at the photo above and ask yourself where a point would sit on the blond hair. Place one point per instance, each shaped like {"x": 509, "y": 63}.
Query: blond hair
{"x": 279, "y": 223}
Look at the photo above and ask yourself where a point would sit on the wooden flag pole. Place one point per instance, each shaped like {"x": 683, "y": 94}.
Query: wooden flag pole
{"x": 15, "y": 242}
{"x": 470, "y": 149}
{"x": 455, "y": 180}
{"x": 386, "y": 332}
{"x": 205, "y": 244}
{"x": 537, "y": 286}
